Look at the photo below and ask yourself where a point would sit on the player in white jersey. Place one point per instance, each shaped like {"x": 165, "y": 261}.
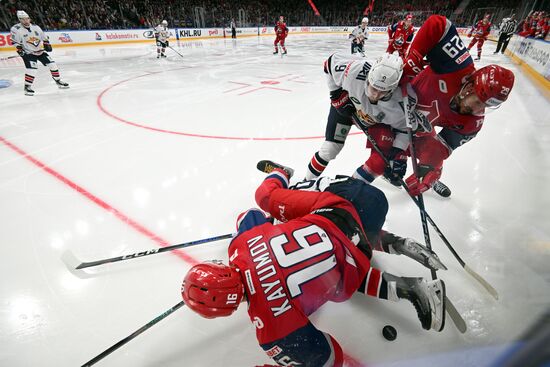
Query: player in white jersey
{"x": 358, "y": 37}
{"x": 33, "y": 45}
{"x": 162, "y": 36}
{"x": 371, "y": 94}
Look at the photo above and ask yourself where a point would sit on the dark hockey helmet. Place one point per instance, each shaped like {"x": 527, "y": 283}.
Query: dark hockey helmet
{"x": 212, "y": 289}
{"x": 493, "y": 84}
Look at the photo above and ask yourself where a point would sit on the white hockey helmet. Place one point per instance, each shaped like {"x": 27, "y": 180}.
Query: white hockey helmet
{"x": 385, "y": 73}
{"x": 164, "y": 22}
{"x": 365, "y": 20}
{"x": 22, "y": 14}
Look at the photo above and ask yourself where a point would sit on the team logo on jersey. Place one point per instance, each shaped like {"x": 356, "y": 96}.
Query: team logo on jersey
{"x": 431, "y": 112}
{"x": 366, "y": 119}
{"x": 399, "y": 41}
{"x": 33, "y": 41}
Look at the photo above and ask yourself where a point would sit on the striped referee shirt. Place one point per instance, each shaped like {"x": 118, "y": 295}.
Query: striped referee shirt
{"x": 508, "y": 26}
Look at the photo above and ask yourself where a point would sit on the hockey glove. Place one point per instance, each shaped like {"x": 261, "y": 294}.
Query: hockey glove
{"x": 47, "y": 46}
{"x": 397, "y": 167}
{"x": 414, "y": 64}
{"x": 428, "y": 176}
{"x": 20, "y": 51}
{"x": 167, "y": 43}
{"x": 339, "y": 99}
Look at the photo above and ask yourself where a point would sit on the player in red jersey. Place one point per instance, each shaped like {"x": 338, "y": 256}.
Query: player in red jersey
{"x": 400, "y": 36}
{"x": 281, "y": 31}
{"x": 451, "y": 93}
{"x": 480, "y": 31}
{"x": 286, "y": 271}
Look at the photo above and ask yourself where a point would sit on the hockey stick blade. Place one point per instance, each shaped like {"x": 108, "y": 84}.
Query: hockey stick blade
{"x": 120, "y": 343}
{"x": 492, "y": 291}
{"x": 153, "y": 251}
{"x": 71, "y": 262}
{"x": 455, "y": 316}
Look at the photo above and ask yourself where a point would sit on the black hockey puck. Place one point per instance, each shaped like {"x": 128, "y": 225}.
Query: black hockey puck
{"x": 389, "y": 332}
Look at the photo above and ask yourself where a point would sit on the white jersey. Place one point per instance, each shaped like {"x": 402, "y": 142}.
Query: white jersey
{"x": 359, "y": 34}
{"x": 31, "y": 39}
{"x": 162, "y": 33}
{"x": 350, "y": 73}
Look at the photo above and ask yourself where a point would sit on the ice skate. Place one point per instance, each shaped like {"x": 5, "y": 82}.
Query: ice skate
{"x": 28, "y": 91}
{"x": 61, "y": 84}
{"x": 416, "y": 251}
{"x": 441, "y": 189}
{"x": 427, "y": 297}
{"x": 268, "y": 167}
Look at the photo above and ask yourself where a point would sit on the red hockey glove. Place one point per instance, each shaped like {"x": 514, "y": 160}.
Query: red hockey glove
{"x": 418, "y": 185}
{"x": 339, "y": 99}
{"x": 414, "y": 64}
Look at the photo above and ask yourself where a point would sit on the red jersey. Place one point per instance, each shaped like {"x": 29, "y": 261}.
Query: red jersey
{"x": 281, "y": 29}
{"x": 289, "y": 270}
{"x": 400, "y": 35}
{"x": 449, "y": 63}
{"x": 481, "y": 30}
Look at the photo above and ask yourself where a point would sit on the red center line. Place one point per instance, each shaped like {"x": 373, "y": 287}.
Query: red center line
{"x": 104, "y": 205}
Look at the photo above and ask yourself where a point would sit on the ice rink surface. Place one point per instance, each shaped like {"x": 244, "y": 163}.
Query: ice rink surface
{"x": 141, "y": 153}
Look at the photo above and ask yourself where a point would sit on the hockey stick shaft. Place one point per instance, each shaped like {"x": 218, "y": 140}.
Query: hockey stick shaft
{"x": 470, "y": 271}
{"x": 9, "y": 57}
{"x": 421, "y": 206}
{"x": 122, "y": 342}
{"x": 153, "y": 251}
{"x": 171, "y": 48}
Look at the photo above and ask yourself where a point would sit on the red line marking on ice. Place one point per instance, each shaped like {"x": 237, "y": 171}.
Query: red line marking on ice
{"x": 104, "y": 205}
{"x": 99, "y": 102}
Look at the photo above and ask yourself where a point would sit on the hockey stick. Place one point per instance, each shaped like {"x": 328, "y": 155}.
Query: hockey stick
{"x": 458, "y": 320}
{"x": 171, "y": 48}
{"x": 153, "y": 251}
{"x": 114, "y": 347}
{"x": 9, "y": 57}
{"x": 469, "y": 270}
{"x": 415, "y": 171}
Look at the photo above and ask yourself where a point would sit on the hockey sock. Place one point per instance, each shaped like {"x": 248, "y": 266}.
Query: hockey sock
{"x": 374, "y": 284}
{"x": 29, "y": 76}
{"x": 316, "y": 166}
{"x": 54, "y": 70}
{"x": 363, "y": 174}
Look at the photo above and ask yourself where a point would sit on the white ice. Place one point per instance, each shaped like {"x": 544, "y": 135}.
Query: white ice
{"x": 138, "y": 141}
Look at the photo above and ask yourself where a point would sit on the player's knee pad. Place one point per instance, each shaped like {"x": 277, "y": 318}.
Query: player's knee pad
{"x": 329, "y": 150}
{"x": 306, "y": 347}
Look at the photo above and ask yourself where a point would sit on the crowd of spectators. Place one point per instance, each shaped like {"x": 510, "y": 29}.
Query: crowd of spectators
{"x": 111, "y": 14}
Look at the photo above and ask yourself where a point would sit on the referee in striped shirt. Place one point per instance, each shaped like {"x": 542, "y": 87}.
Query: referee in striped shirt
{"x": 507, "y": 29}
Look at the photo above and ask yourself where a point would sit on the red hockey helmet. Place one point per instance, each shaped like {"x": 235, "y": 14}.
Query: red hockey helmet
{"x": 212, "y": 289}
{"x": 409, "y": 17}
{"x": 493, "y": 84}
